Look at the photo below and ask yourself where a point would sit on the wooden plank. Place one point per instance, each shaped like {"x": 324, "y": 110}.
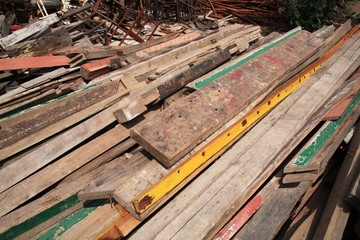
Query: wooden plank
{"x": 312, "y": 200}
{"x": 338, "y": 110}
{"x": 174, "y": 178}
{"x": 28, "y": 103}
{"x": 97, "y": 68}
{"x": 205, "y": 198}
{"x": 353, "y": 197}
{"x": 72, "y": 184}
{"x": 104, "y": 185}
{"x": 202, "y": 81}
{"x": 56, "y": 171}
{"x": 267, "y": 221}
{"x": 193, "y": 72}
{"x": 60, "y": 198}
{"x": 60, "y": 125}
{"x": 28, "y": 122}
{"x": 37, "y": 81}
{"x": 240, "y": 218}
{"x": 93, "y": 224}
{"x": 173, "y": 84}
{"x": 323, "y": 143}
{"x": 143, "y": 45}
{"x": 164, "y": 136}
{"x": 33, "y": 62}
{"x": 334, "y": 218}
{"x": 172, "y": 42}
{"x": 152, "y": 64}
{"x": 55, "y": 147}
{"x": 42, "y": 46}
{"x": 29, "y": 30}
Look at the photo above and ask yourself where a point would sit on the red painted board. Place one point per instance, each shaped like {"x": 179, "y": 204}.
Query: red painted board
{"x": 240, "y": 219}
{"x": 339, "y": 109}
{"x": 93, "y": 69}
{"x": 33, "y": 62}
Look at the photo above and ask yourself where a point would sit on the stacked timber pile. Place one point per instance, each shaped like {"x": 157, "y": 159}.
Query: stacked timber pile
{"x": 100, "y": 147}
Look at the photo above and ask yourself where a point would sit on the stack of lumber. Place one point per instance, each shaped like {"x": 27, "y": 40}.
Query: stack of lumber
{"x": 59, "y": 132}
{"x": 89, "y": 151}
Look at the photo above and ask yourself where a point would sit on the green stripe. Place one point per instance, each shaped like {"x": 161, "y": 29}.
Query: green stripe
{"x": 52, "y": 100}
{"x": 308, "y": 154}
{"x": 200, "y": 84}
{"x": 71, "y": 220}
{"x": 40, "y": 218}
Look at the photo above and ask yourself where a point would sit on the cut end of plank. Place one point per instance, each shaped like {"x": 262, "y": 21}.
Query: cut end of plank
{"x": 136, "y": 135}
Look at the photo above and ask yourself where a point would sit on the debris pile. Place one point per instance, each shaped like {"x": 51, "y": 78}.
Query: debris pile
{"x": 108, "y": 110}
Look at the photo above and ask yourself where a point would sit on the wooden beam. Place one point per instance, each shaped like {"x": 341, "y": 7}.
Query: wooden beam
{"x": 29, "y": 30}
{"x": 44, "y": 45}
{"x": 30, "y": 121}
{"x": 33, "y": 62}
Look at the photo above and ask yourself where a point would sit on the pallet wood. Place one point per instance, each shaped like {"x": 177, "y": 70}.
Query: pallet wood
{"x": 29, "y": 30}
{"x": 42, "y": 46}
{"x": 175, "y": 221}
{"x": 25, "y": 123}
{"x": 334, "y": 218}
{"x": 164, "y": 136}
{"x": 33, "y": 62}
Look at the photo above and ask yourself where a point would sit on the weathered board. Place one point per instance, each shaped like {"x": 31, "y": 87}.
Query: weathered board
{"x": 177, "y": 130}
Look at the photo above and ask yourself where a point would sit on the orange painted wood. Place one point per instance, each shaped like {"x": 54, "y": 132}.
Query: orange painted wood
{"x": 33, "y": 62}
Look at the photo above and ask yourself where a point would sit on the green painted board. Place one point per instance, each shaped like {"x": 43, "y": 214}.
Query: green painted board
{"x": 40, "y": 218}
{"x": 68, "y": 222}
{"x": 328, "y": 130}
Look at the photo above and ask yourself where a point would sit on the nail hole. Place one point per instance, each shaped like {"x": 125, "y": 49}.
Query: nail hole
{"x": 279, "y": 95}
{"x": 244, "y": 122}
{"x": 228, "y": 134}
{"x": 203, "y": 153}
{"x": 257, "y": 112}
{"x": 269, "y": 102}
{"x": 178, "y": 171}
